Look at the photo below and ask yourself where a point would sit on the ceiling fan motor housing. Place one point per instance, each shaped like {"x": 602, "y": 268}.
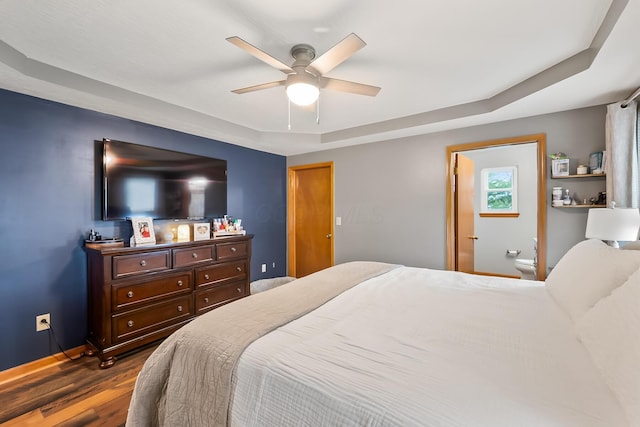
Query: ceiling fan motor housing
{"x": 303, "y": 53}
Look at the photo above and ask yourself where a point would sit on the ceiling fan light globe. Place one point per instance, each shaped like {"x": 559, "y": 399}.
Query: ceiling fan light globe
{"x": 302, "y": 93}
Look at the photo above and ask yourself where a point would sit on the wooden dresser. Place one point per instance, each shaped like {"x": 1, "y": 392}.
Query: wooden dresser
{"x": 141, "y": 294}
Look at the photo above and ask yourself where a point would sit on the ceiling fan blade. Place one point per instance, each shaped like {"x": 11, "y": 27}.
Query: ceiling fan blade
{"x": 259, "y": 87}
{"x": 260, "y": 54}
{"x": 346, "y": 86}
{"x": 337, "y": 54}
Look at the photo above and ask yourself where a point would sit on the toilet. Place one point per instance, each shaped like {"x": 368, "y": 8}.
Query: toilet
{"x": 527, "y": 268}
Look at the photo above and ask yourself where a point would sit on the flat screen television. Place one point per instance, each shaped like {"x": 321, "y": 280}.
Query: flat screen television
{"x": 162, "y": 184}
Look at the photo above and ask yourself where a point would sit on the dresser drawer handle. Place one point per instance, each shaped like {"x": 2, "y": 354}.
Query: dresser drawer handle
{"x": 194, "y": 255}
{"x": 179, "y": 308}
{"x": 206, "y": 300}
{"x": 180, "y": 283}
{"x": 130, "y": 323}
{"x": 206, "y": 277}
{"x": 239, "y": 290}
{"x": 130, "y": 294}
{"x": 143, "y": 263}
{"x": 239, "y": 268}
{"x": 233, "y": 249}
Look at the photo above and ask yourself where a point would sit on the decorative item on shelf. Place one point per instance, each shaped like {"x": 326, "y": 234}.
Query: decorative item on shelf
{"x": 168, "y": 236}
{"x": 557, "y": 196}
{"x": 594, "y": 201}
{"x": 94, "y": 235}
{"x": 582, "y": 170}
{"x": 95, "y": 241}
{"x": 595, "y": 162}
{"x": 143, "y": 233}
{"x": 566, "y": 200}
{"x": 201, "y": 231}
{"x": 613, "y": 224}
{"x": 559, "y": 164}
{"x": 184, "y": 233}
{"x": 227, "y": 226}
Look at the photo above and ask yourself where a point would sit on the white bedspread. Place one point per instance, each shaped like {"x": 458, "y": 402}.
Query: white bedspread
{"x": 425, "y": 347}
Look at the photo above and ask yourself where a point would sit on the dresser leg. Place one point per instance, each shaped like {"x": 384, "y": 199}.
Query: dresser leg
{"x": 108, "y": 362}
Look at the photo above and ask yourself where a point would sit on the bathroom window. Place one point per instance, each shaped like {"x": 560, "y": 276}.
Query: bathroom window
{"x": 499, "y": 194}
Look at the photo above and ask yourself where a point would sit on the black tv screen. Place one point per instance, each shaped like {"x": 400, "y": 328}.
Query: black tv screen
{"x": 162, "y": 184}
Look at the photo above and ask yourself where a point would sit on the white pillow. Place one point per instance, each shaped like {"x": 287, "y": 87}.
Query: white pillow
{"x": 588, "y": 273}
{"x": 611, "y": 333}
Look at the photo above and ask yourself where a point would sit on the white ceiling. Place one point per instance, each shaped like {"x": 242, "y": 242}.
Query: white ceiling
{"x": 441, "y": 64}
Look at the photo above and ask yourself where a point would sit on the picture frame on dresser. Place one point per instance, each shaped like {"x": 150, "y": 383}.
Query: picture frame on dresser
{"x": 201, "y": 231}
{"x": 143, "y": 234}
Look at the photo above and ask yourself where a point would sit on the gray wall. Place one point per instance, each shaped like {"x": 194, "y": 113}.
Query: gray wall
{"x": 391, "y": 194}
{"x": 497, "y": 234}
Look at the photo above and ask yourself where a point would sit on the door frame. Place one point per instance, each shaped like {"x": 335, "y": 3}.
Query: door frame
{"x": 291, "y": 217}
{"x": 541, "y": 141}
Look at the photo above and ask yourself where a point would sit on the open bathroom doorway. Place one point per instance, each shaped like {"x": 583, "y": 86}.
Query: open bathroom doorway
{"x": 499, "y": 238}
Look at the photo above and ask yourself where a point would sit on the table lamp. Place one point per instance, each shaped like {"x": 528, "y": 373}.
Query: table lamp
{"x": 613, "y": 224}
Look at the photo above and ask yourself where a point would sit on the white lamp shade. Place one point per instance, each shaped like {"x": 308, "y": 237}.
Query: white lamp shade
{"x": 302, "y": 89}
{"x": 613, "y": 224}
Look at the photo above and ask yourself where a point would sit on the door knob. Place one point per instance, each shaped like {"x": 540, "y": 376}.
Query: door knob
{"x": 328, "y": 236}
{"x": 472, "y": 237}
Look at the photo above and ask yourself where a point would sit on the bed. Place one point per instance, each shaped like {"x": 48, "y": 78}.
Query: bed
{"x": 376, "y": 344}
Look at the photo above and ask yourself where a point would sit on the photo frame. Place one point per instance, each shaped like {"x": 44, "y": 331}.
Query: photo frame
{"x": 201, "y": 231}
{"x": 560, "y": 167}
{"x": 143, "y": 233}
{"x": 596, "y": 162}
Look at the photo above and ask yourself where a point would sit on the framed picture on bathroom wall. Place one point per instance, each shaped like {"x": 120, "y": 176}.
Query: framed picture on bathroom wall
{"x": 499, "y": 191}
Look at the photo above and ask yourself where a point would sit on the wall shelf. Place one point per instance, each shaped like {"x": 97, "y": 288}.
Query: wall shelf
{"x": 579, "y": 206}
{"x": 588, "y": 175}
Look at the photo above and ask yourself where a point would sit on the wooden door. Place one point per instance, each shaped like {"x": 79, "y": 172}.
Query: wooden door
{"x": 310, "y": 219}
{"x": 464, "y": 202}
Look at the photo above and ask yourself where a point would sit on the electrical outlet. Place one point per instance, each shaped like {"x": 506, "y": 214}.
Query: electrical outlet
{"x": 264, "y": 268}
{"x": 40, "y": 322}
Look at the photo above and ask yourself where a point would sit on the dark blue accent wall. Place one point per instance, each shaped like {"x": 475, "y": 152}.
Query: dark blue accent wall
{"x": 49, "y": 202}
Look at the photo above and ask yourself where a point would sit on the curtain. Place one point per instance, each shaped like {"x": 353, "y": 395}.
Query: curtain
{"x": 623, "y": 155}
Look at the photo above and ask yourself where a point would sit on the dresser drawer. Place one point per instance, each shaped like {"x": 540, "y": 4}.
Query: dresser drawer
{"x": 127, "y": 265}
{"x": 192, "y": 256}
{"x": 231, "y": 250}
{"x": 221, "y": 273}
{"x": 151, "y": 318}
{"x": 130, "y": 294}
{"x": 211, "y": 298}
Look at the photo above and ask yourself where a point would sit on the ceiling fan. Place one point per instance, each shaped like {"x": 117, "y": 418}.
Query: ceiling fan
{"x": 305, "y": 77}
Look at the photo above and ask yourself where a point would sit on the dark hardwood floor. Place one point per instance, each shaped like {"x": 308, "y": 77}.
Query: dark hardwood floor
{"x": 74, "y": 393}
